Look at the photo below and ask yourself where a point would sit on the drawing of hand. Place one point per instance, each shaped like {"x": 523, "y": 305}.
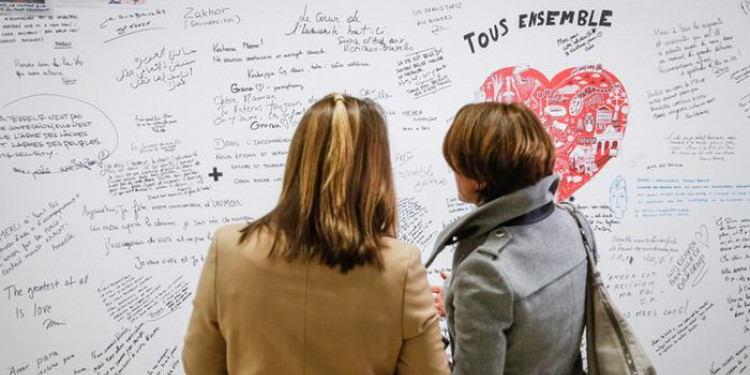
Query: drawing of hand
{"x": 497, "y": 83}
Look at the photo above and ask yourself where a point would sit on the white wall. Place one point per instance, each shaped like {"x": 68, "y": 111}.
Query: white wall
{"x": 107, "y": 208}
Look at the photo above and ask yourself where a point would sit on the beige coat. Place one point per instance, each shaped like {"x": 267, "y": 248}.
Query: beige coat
{"x": 258, "y": 315}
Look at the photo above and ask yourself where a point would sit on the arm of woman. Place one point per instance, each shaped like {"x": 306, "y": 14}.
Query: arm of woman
{"x": 482, "y": 312}
{"x": 205, "y": 349}
{"x": 422, "y": 351}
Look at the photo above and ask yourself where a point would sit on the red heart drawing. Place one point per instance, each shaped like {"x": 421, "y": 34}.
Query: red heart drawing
{"x": 584, "y": 109}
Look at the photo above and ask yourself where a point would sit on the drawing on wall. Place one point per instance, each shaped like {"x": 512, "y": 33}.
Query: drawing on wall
{"x": 584, "y": 109}
{"x": 618, "y": 197}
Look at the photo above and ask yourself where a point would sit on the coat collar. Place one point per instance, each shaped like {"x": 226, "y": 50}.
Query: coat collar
{"x": 491, "y": 214}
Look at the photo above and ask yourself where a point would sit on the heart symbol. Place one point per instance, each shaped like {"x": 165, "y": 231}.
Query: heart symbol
{"x": 702, "y": 236}
{"x": 259, "y": 86}
{"x": 584, "y": 110}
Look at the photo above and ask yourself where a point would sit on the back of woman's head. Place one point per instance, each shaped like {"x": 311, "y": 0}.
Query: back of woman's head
{"x": 502, "y": 145}
{"x": 337, "y": 199}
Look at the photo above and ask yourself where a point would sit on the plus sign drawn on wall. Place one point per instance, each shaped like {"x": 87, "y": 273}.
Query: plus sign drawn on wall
{"x": 215, "y": 174}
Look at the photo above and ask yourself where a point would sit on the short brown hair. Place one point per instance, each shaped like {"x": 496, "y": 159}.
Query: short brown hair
{"x": 502, "y": 145}
{"x": 337, "y": 198}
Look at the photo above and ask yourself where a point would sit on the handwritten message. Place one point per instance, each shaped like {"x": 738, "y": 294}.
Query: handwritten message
{"x": 139, "y": 298}
{"x": 741, "y": 74}
{"x": 35, "y": 300}
{"x": 420, "y": 177}
{"x": 168, "y": 67}
{"x": 694, "y": 48}
{"x": 35, "y": 29}
{"x": 423, "y": 72}
{"x": 263, "y": 165}
{"x": 633, "y": 287}
{"x": 44, "y": 134}
{"x": 687, "y": 98}
{"x": 656, "y": 197}
{"x": 414, "y": 225}
{"x": 159, "y": 123}
{"x": 667, "y": 340}
{"x": 736, "y": 363}
{"x": 601, "y": 217}
{"x": 435, "y": 17}
{"x": 744, "y": 105}
{"x": 124, "y": 24}
{"x": 579, "y": 41}
{"x": 209, "y": 16}
{"x": 50, "y": 362}
{"x": 119, "y": 353}
{"x": 690, "y": 266}
{"x": 351, "y": 33}
{"x": 653, "y": 250}
{"x": 734, "y": 258}
{"x": 456, "y": 207}
{"x": 45, "y": 228}
{"x": 590, "y": 18}
{"x": 703, "y": 147}
{"x": 64, "y": 67}
{"x": 157, "y": 177}
{"x": 167, "y": 363}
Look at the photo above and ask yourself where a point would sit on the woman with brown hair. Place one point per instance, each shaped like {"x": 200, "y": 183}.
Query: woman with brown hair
{"x": 515, "y": 300}
{"x": 319, "y": 285}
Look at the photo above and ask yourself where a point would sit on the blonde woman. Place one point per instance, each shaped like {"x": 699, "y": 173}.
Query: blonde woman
{"x": 319, "y": 285}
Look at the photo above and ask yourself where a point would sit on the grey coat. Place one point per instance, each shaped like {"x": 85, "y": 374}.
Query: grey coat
{"x": 515, "y": 300}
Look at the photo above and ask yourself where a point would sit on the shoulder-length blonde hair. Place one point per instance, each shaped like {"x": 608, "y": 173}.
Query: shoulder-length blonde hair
{"x": 337, "y": 199}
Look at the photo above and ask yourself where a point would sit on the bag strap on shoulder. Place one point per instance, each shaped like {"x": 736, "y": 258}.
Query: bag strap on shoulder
{"x": 586, "y": 245}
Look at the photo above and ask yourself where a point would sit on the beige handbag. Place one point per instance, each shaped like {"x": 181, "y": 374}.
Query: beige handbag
{"x": 611, "y": 345}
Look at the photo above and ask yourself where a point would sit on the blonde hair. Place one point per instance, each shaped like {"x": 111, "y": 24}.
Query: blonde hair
{"x": 502, "y": 145}
{"x": 337, "y": 198}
